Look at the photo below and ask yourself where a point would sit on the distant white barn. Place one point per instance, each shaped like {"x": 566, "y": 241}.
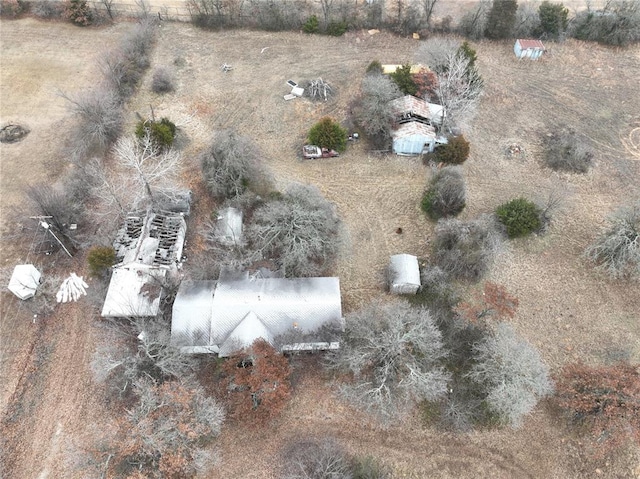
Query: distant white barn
{"x": 24, "y": 281}
{"x": 404, "y": 274}
{"x": 229, "y": 227}
{"x": 230, "y": 314}
{"x": 532, "y": 49}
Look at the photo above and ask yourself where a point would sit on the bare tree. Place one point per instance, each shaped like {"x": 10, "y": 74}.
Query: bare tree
{"x": 99, "y": 114}
{"x": 466, "y": 249}
{"x": 316, "y": 459}
{"x": 617, "y": 250}
{"x": 109, "y": 7}
{"x": 152, "y": 169}
{"x": 459, "y": 89}
{"x": 436, "y": 52}
{"x": 232, "y": 164}
{"x": 327, "y": 7}
{"x": 473, "y": 23}
{"x": 300, "y": 231}
{"x": 394, "y": 352}
{"x": 119, "y": 366}
{"x": 512, "y": 373}
{"x": 427, "y": 8}
{"x": 165, "y": 428}
{"x": 373, "y": 111}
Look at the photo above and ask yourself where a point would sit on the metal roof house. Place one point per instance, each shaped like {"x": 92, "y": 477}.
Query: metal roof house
{"x": 148, "y": 248}
{"x": 413, "y": 139}
{"x": 24, "y": 281}
{"x": 411, "y": 108}
{"x": 415, "y": 133}
{"x": 532, "y": 49}
{"x": 229, "y": 314}
{"x": 404, "y": 274}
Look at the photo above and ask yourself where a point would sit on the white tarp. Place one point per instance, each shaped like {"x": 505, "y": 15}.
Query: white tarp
{"x": 24, "y": 281}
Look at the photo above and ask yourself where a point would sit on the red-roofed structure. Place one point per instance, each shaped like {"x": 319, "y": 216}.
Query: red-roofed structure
{"x": 532, "y": 49}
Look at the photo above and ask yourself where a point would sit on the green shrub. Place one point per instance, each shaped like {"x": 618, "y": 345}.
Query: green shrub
{"x": 162, "y": 132}
{"x": 312, "y": 25}
{"x": 337, "y": 29}
{"x": 78, "y": 12}
{"x": 100, "y": 259}
{"x": 553, "y": 19}
{"x": 404, "y": 79}
{"x": 455, "y": 152}
{"x": 520, "y": 216}
{"x": 328, "y": 134}
{"x": 374, "y": 67}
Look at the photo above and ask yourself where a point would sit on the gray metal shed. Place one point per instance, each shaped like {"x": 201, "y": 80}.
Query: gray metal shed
{"x": 404, "y": 274}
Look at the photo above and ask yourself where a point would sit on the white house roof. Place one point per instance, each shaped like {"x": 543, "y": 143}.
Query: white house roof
{"x": 134, "y": 291}
{"x": 193, "y": 306}
{"x": 24, "y": 281}
{"x": 243, "y": 309}
{"x": 411, "y": 105}
{"x": 245, "y": 333}
{"x": 404, "y": 270}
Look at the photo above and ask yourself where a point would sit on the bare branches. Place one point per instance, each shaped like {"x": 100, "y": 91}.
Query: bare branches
{"x": 394, "y": 352}
{"x": 466, "y": 249}
{"x": 299, "y": 231}
{"x": 318, "y": 89}
{"x": 617, "y": 251}
{"x": 459, "y": 88}
{"x": 100, "y": 120}
{"x": 373, "y": 111}
{"x": 512, "y": 372}
{"x": 232, "y": 164}
{"x": 152, "y": 168}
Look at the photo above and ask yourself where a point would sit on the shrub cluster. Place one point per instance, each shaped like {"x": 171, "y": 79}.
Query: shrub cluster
{"x": 328, "y": 133}
{"x": 163, "y": 81}
{"x": 466, "y": 249}
{"x": 617, "y": 250}
{"x": 79, "y": 12}
{"x": 565, "y": 153}
{"x": 326, "y": 459}
{"x": 100, "y": 259}
{"x": 454, "y": 152}
{"x": 446, "y": 194}
{"x": 162, "y": 132}
{"x": 404, "y": 80}
{"x": 520, "y": 216}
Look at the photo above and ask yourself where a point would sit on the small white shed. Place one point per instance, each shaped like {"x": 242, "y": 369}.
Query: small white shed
{"x": 532, "y": 49}
{"x": 404, "y": 274}
{"x": 24, "y": 281}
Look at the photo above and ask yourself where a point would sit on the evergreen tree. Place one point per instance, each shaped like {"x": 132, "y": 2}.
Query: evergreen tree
{"x": 501, "y": 20}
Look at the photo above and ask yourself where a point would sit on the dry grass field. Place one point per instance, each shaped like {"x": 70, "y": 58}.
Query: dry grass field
{"x": 51, "y": 407}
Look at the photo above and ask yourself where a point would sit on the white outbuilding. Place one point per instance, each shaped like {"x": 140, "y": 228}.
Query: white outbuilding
{"x": 532, "y": 49}
{"x": 24, "y": 281}
{"x": 404, "y": 274}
